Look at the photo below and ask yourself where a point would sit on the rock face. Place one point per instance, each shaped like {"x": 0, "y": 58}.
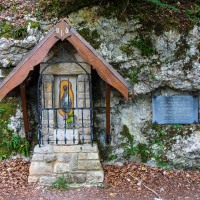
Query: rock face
{"x": 79, "y": 163}
{"x": 168, "y": 66}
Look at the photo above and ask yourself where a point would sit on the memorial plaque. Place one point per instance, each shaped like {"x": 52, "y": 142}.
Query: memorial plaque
{"x": 175, "y": 109}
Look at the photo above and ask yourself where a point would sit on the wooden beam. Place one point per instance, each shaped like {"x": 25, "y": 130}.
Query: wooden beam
{"x": 108, "y": 137}
{"x": 24, "y": 110}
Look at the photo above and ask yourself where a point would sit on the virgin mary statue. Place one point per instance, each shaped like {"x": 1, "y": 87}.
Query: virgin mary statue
{"x": 66, "y": 102}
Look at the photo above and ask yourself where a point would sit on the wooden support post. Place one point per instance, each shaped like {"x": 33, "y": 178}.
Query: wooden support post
{"x": 24, "y": 110}
{"x": 108, "y": 137}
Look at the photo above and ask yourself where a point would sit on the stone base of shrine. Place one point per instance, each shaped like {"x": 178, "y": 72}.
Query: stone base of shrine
{"x": 80, "y": 164}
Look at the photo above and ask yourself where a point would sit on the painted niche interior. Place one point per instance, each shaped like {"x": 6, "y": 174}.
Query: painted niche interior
{"x": 65, "y": 97}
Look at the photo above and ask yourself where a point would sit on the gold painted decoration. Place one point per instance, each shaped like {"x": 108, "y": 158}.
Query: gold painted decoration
{"x": 66, "y": 99}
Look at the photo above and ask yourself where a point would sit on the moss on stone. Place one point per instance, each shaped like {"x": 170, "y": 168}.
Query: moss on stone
{"x": 7, "y": 30}
{"x": 144, "y": 45}
{"x": 33, "y": 24}
{"x": 126, "y": 133}
{"x": 91, "y": 36}
{"x": 163, "y": 137}
{"x": 8, "y": 108}
{"x": 182, "y": 48}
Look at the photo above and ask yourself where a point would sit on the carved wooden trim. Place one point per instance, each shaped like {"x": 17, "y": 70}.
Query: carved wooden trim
{"x": 62, "y": 30}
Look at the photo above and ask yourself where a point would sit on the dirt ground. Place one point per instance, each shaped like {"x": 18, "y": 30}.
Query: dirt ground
{"x": 130, "y": 181}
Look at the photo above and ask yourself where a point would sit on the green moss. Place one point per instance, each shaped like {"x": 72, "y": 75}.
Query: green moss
{"x": 160, "y": 4}
{"x": 160, "y": 139}
{"x": 91, "y": 36}
{"x": 7, "y": 30}
{"x": 112, "y": 157}
{"x": 6, "y": 71}
{"x": 19, "y": 33}
{"x": 8, "y": 108}
{"x": 33, "y": 24}
{"x": 182, "y": 48}
{"x": 126, "y": 133}
{"x": 2, "y": 7}
{"x": 144, "y": 45}
{"x": 59, "y": 9}
{"x": 133, "y": 75}
{"x": 194, "y": 13}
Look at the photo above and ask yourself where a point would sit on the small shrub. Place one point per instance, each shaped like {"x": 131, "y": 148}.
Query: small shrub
{"x": 19, "y": 145}
{"x": 19, "y": 33}
{"x": 61, "y": 184}
{"x": 133, "y": 75}
{"x": 102, "y": 186}
{"x": 112, "y": 157}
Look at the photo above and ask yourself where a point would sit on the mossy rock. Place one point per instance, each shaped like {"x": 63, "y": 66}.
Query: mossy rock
{"x": 91, "y": 36}
{"x": 8, "y": 108}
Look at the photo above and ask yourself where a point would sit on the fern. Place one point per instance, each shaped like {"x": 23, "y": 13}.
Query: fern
{"x": 163, "y": 5}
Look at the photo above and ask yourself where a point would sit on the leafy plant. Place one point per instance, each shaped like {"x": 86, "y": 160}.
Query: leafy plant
{"x": 133, "y": 75}
{"x": 130, "y": 149}
{"x": 60, "y": 184}
{"x": 20, "y": 32}
{"x": 19, "y": 145}
{"x": 112, "y": 157}
{"x": 5, "y": 134}
{"x": 177, "y": 126}
{"x": 158, "y": 3}
{"x": 193, "y": 14}
{"x": 69, "y": 117}
{"x": 8, "y": 30}
{"x": 102, "y": 186}
{"x": 154, "y": 149}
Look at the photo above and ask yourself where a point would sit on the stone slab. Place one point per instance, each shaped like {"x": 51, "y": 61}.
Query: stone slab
{"x": 89, "y": 165}
{"x": 90, "y": 149}
{"x": 37, "y": 157}
{"x": 78, "y": 177}
{"x": 49, "y": 158}
{"x": 61, "y": 168}
{"x": 33, "y": 179}
{"x": 73, "y": 161}
{"x": 95, "y": 176}
{"x": 67, "y": 149}
{"x": 40, "y": 168}
{"x": 88, "y": 156}
{"x": 82, "y": 156}
{"x": 180, "y": 109}
{"x": 63, "y": 157}
{"x": 43, "y": 149}
{"x": 46, "y": 180}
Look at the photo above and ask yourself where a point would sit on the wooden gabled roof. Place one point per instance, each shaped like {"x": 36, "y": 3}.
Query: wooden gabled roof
{"x": 87, "y": 52}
